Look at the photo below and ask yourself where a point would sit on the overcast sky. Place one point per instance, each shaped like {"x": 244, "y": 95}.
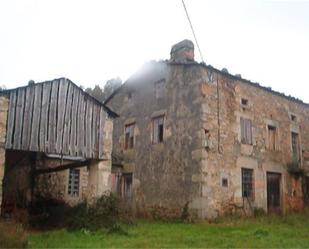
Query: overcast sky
{"x": 91, "y": 41}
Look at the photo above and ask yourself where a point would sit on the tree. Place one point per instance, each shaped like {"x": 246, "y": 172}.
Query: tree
{"x": 109, "y": 87}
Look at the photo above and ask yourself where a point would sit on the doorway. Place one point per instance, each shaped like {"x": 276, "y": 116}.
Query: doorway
{"x": 273, "y": 192}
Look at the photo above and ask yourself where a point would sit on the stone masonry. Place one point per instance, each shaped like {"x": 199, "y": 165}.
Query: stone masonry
{"x": 4, "y": 106}
{"x": 202, "y": 155}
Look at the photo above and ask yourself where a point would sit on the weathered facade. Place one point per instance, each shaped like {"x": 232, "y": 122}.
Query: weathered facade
{"x": 56, "y": 142}
{"x": 189, "y": 134}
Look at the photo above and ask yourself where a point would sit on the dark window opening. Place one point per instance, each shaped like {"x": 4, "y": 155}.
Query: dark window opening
{"x": 224, "y": 182}
{"x": 130, "y": 95}
{"x": 244, "y": 101}
{"x": 246, "y": 130}
{"x": 295, "y": 146}
{"x": 158, "y": 129}
{"x": 127, "y": 181}
{"x": 271, "y": 137}
{"x": 293, "y": 118}
{"x": 73, "y": 186}
{"x": 129, "y": 136}
{"x": 247, "y": 182}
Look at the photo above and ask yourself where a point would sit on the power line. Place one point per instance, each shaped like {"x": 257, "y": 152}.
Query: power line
{"x": 198, "y": 47}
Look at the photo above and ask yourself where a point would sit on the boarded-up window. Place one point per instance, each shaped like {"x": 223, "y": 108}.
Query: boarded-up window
{"x": 272, "y": 134}
{"x": 246, "y": 130}
{"x": 247, "y": 182}
{"x": 295, "y": 146}
{"x": 157, "y": 129}
{"x": 73, "y": 186}
{"x": 160, "y": 88}
{"x": 129, "y": 136}
{"x": 116, "y": 183}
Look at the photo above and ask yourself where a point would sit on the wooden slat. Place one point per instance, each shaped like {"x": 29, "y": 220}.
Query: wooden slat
{"x": 35, "y": 127}
{"x": 11, "y": 120}
{"x": 44, "y": 116}
{"x": 25, "y": 143}
{"x": 94, "y": 131}
{"x": 101, "y": 132}
{"x": 19, "y": 118}
{"x": 88, "y": 128}
{"x": 73, "y": 144}
{"x": 67, "y": 121}
{"x": 63, "y": 90}
{"x": 80, "y": 129}
{"x": 53, "y": 117}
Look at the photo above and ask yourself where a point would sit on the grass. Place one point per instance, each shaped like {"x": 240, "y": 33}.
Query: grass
{"x": 290, "y": 231}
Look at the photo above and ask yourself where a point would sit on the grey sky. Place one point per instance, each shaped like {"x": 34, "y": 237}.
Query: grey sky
{"x": 90, "y": 41}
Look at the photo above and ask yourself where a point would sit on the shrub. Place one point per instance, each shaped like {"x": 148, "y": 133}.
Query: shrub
{"x": 258, "y": 212}
{"x": 103, "y": 213}
{"x": 12, "y": 235}
{"x": 48, "y": 212}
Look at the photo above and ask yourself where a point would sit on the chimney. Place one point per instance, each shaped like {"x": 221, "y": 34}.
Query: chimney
{"x": 182, "y": 52}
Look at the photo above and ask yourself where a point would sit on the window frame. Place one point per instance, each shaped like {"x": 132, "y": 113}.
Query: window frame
{"x": 246, "y": 131}
{"x": 272, "y": 134}
{"x": 158, "y": 135}
{"x": 129, "y": 141}
{"x": 295, "y": 146}
{"x": 245, "y": 183}
{"x": 73, "y": 174}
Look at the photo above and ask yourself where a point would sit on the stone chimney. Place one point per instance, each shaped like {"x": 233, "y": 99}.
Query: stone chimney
{"x": 182, "y": 52}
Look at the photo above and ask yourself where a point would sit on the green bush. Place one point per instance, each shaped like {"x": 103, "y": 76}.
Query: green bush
{"x": 103, "y": 213}
{"x": 12, "y": 235}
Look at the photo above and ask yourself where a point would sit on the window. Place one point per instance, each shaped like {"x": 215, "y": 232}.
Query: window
{"x": 116, "y": 182}
{"x": 160, "y": 88}
{"x": 293, "y": 118}
{"x": 157, "y": 129}
{"x": 73, "y": 187}
{"x": 244, "y": 101}
{"x": 246, "y": 130}
{"x": 271, "y": 130}
{"x": 129, "y": 136}
{"x": 295, "y": 146}
{"x": 127, "y": 180}
{"x": 224, "y": 182}
{"x": 247, "y": 182}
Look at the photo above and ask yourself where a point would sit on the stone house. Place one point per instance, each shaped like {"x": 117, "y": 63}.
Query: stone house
{"x": 55, "y": 142}
{"x": 192, "y": 135}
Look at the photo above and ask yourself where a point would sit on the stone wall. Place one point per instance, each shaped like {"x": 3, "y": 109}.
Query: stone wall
{"x": 165, "y": 175}
{"x": 228, "y": 154}
{"x": 4, "y": 106}
{"x": 202, "y": 142}
{"x": 55, "y": 185}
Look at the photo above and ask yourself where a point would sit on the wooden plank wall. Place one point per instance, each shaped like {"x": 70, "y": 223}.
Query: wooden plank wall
{"x": 56, "y": 117}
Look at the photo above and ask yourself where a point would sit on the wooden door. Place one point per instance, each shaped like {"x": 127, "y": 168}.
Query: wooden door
{"x": 273, "y": 192}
